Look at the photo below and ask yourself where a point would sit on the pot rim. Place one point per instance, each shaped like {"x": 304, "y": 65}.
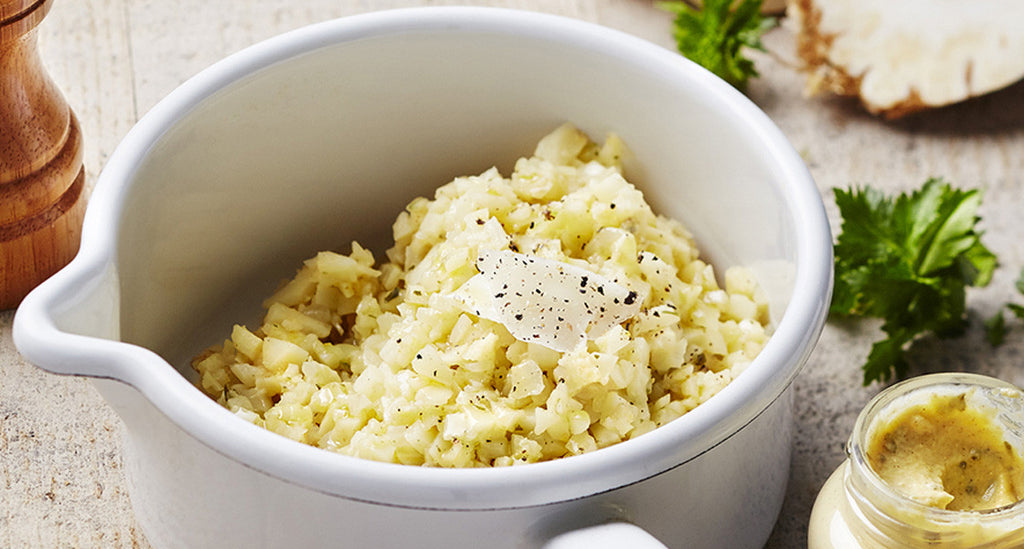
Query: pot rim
{"x": 38, "y": 336}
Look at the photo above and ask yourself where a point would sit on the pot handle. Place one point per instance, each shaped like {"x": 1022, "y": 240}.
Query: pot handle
{"x": 611, "y": 535}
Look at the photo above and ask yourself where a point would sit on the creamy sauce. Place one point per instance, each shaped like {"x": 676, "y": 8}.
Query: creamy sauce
{"x": 946, "y": 454}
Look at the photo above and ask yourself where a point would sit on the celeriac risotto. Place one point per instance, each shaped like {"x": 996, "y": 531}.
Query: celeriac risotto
{"x": 514, "y": 320}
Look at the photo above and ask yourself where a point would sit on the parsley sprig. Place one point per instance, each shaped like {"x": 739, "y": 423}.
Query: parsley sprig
{"x": 908, "y": 261}
{"x": 715, "y": 35}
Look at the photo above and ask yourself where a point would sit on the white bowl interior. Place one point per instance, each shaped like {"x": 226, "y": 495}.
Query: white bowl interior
{"x": 322, "y": 147}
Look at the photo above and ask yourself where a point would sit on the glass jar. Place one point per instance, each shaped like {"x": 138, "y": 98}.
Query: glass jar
{"x": 857, "y": 509}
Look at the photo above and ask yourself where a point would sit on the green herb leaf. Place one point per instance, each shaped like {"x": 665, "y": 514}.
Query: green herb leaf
{"x": 995, "y": 329}
{"x": 908, "y": 260}
{"x": 715, "y": 35}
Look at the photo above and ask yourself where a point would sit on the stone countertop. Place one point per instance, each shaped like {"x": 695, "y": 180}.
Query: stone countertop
{"x": 61, "y": 482}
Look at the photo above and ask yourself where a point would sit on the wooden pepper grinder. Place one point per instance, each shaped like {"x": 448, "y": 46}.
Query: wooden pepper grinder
{"x": 41, "y": 172}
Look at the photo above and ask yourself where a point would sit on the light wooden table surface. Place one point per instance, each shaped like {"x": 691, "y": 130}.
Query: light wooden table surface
{"x": 61, "y": 482}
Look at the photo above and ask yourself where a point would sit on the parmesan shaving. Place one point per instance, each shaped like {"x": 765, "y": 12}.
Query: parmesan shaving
{"x": 552, "y": 303}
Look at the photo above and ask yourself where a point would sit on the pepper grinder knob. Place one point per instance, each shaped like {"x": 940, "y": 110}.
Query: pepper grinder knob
{"x": 41, "y": 173}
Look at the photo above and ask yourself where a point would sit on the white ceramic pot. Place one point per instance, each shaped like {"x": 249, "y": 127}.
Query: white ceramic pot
{"x": 321, "y": 136}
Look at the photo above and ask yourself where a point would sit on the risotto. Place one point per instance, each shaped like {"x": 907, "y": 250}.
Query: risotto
{"x": 515, "y": 320}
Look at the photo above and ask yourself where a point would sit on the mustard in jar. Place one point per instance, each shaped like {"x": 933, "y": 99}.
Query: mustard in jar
{"x": 934, "y": 462}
